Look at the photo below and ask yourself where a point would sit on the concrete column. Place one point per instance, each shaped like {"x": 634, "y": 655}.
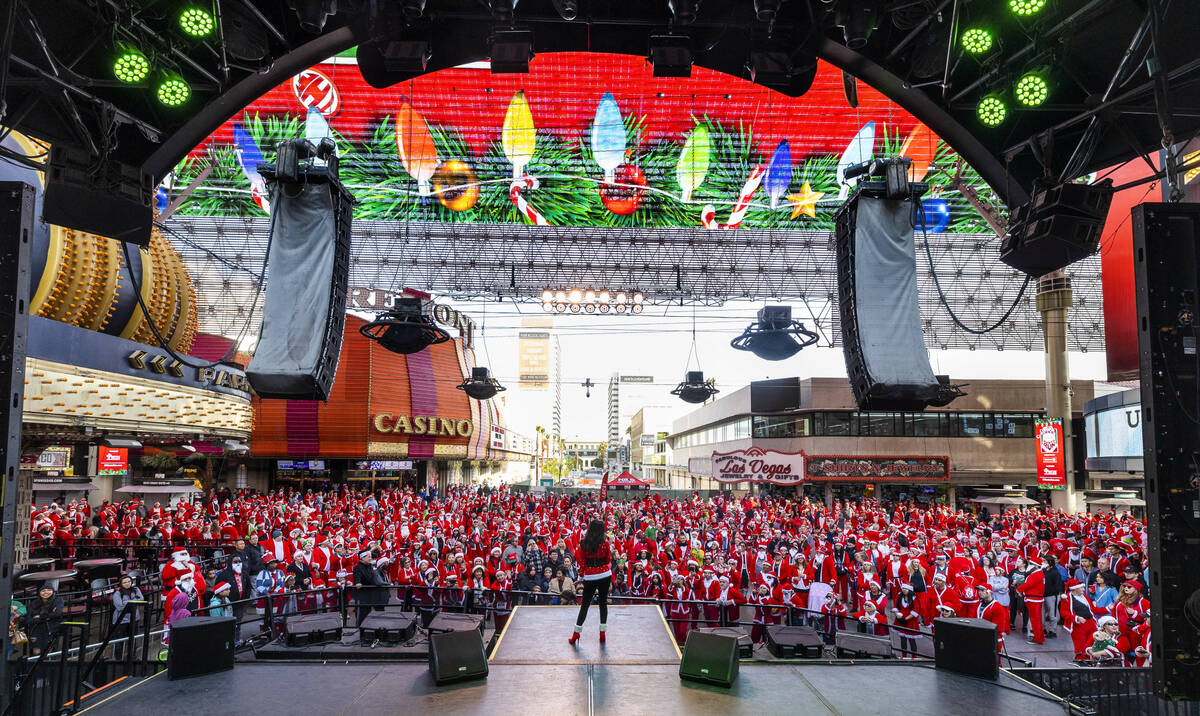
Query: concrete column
{"x": 1054, "y": 303}
{"x": 952, "y": 497}
{"x": 828, "y": 495}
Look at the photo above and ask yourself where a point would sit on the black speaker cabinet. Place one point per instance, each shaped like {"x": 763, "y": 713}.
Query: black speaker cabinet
{"x": 457, "y": 656}
{"x": 790, "y": 642}
{"x": 110, "y": 199}
{"x": 456, "y": 622}
{"x": 200, "y": 645}
{"x": 710, "y": 658}
{"x": 745, "y": 645}
{"x": 308, "y": 629}
{"x": 391, "y": 628}
{"x": 967, "y": 646}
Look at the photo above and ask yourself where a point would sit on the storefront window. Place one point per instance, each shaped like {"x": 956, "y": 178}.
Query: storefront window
{"x": 926, "y": 425}
{"x": 1015, "y": 425}
{"x": 877, "y": 424}
{"x": 972, "y": 425}
{"x": 839, "y": 424}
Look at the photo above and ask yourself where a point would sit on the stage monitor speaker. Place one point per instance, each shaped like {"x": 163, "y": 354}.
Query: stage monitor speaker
{"x": 390, "y": 628}
{"x": 850, "y": 644}
{"x": 304, "y": 312}
{"x": 200, "y": 645}
{"x": 456, "y": 622}
{"x": 882, "y": 338}
{"x": 792, "y": 642}
{"x": 457, "y": 656}
{"x": 967, "y": 646}
{"x": 107, "y": 198}
{"x": 709, "y": 658}
{"x": 1166, "y": 250}
{"x": 309, "y": 629}
{"x": 745, "y": 645}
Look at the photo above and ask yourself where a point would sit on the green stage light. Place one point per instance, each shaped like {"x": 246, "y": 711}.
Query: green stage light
{"x": 173, "y": 91}
{"x": 1026, "y": 7}
{"x": 991, "y": 110}
{"x": 196, "y": 22}
{"x": 1032, "y": 90}
{"x": 131, "y": 66}
{"x": 976, "y": 40}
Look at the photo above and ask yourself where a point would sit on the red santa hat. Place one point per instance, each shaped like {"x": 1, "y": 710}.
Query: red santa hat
{"x": 907, "y": 586}
{"x": 221, "y": 587}
{"x": 1132, "y": 583}
{"x": 180, "y": 555}
{"x": 1072, "y": 583}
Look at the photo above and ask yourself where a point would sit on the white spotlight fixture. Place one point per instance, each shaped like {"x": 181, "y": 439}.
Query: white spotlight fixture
{"x": 547, "y": 306}
{"x": 560, "y": 296}
{"x": 638, "y": 297}
{"x": 576, "y": 296}
{"x": 547, "y": 295}
{"x": 621, "y": 298}
{"x": 589, "y": 307}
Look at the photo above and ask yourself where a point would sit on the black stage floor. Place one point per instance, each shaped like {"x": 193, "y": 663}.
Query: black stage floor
{"x": 534, "y": 671}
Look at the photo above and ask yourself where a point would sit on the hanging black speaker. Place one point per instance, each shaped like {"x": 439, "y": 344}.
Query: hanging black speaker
{"x": 481, "y": 385}
{"x": 405, "y": 329}
{"x": 774, "y": 336}
{"x": 694, "y": 389}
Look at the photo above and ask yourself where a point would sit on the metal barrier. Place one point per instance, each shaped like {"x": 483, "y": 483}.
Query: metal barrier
{"x": 1102, "y": 691}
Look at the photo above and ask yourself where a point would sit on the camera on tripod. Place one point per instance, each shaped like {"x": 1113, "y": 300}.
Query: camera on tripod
{"x": 886, "y": 178}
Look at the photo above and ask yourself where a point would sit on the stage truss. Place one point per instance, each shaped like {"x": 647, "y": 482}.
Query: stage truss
{"x": 670, "y": 266}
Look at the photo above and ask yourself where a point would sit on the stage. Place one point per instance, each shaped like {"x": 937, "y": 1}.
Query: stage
{"x": 534, "y": 671}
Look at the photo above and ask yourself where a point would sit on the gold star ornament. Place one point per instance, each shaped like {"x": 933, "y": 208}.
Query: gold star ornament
{"x": 805, "y": 202}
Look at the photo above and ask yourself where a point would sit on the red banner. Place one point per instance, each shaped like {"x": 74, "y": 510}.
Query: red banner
{"x": 112, "y": 461}
{"x": 1051, "y": 466}
{"x": 865, "y": 468}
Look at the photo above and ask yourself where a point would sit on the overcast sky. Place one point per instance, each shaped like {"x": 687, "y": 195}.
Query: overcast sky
{"x": 658, "y": 343}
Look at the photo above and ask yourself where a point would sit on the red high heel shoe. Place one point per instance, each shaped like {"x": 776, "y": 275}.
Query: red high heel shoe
{"x": 602, "y": 639}
{"x": 574, "y": 638}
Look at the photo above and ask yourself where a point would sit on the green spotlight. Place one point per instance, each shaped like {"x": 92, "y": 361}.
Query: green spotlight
{"x": 991, "y": 110}
{"x": 173, "y": 91}
{"x": 196, "y": 22}
{"x": 977, "y": 40}
{"x": 1026, "y": 7}
{"x": 131, "y": 66}
{"x": 1032, "y": 89}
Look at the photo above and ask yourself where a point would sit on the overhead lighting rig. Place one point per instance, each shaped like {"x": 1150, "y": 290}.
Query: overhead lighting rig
{"x": 578, "y": 300}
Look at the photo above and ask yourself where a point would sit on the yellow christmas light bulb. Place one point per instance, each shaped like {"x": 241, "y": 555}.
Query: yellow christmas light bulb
{"x": 518, "y": 135}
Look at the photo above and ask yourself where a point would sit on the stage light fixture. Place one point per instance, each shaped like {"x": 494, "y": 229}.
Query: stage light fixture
{"x": 567, "y": 9}
{"x": 858, "y": 19}
{"x": 774, "y": 336}
{"x": 406, "y": 55}
{"x": 481, "y": 386}
{"x": 173, "y": 91}
{"x": 693, "y": 388}
{"x": 683, "y": 12}
{"x": 605, "y": 308}
{"x": 1032, "y": 89}
{"x": 589, "y": 296}
{"x": 637, "y": 308}
{"x": 560, "y": 296}
{"x": 991, "y": 110}
{"x": 312, "y": 14}
{"x": 547, "y": 307}
{"x": 603, "y": 296}
{"x": 560, "y": 307}
{"x": 638, "y": 297}
{"x": 671, "y": 55}
{"x": 620, "y": 308}
{"x": 589, "y": 307}
{"x": 131, "y": 65}
{"x": 576, "y": 296}
{"x": 510, "y": 50}
{"x": 547, "y": 295}
{"x": 575, "y": 308}
{"x": 621, "y": 297}
{"x": 196, "y": 22}
{"x": 766, "y": 10}
{"x": 977, "y": 40}
{"x": 1026, "y": 7}
{"x": 405, "y": 329}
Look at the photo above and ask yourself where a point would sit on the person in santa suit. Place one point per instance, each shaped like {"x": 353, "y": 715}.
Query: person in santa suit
{"x": 729, "y": 600}
{"x": 765, "y": 612}
{"x": 1107, "y": 642}
{"x": 1079, "y": 616}
{"x": 277, "y": 547}
{"x": 1137, "y": 643}
{"x": 181, "y": 563}
{"x": 425, "y": 598}
{"x": 896, "y": 572}
{"x": 792, "y": 602}
{"x": 707, "y": 591}
{"x": 835, "y": 612}
{"x": 968, "y": 594}
{"x": 185, "y": 585}
{"x": 501, "y": 588}
{"x": 1131, "y": 609}
{"x": 936, "y": 598}
{"x": 1033, "y": 593}
{"x": 871, "y": 620}
{"x": 678, "y": 610}
{"x": 993, "y": 611}
{"x": 906, "y": 616}
{"x": 477, "y": 590}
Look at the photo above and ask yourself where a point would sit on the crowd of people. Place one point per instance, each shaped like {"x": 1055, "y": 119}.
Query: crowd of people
{"x": 878, "y": 568}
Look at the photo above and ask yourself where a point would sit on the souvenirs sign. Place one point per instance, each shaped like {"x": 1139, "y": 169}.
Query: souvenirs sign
{"x": 863, "y": 468}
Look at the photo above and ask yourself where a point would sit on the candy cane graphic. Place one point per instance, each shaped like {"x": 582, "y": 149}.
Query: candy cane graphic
{"x": 708, "y": 217}
{"x": 514, "y": 192}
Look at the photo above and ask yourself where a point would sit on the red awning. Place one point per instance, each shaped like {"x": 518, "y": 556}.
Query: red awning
{"x": 626, "y": 480}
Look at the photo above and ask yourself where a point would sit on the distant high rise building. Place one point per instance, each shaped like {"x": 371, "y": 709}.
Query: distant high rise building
{"x": 627, "y": 394}
{"x": 537, "y": 397}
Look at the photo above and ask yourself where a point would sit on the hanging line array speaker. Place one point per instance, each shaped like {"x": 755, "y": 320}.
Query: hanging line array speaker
{"x": 880, "y": 316}
{"x": 305, "y": 307}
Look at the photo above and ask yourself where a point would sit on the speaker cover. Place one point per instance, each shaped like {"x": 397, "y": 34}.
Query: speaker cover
{"x": 308, "y": 629}
{"x": 709, "y": 658}
{"x": 200, "y": 645}
{"x": 967, "y": 646}
{"x": 457, "y": 656}
{"x": 305, "y": 307}
{"x": 392, "y": 628}
{"x": 882, "y": 338}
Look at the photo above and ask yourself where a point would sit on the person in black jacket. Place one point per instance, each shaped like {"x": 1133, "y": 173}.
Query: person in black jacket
{"x": 369, "y": 586}
{"x": 1053, "y": 593}
{"x": 240, "y": 587}
{"x": 44, "y": 618}
{"x": 252, "y": 556}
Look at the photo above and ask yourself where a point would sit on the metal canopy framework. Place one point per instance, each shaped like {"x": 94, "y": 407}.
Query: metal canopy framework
{"x": 670, "y": 266}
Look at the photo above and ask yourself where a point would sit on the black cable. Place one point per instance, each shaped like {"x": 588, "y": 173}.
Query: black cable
{"x": 920, "y": 209}
{"x": 154, "y": 329}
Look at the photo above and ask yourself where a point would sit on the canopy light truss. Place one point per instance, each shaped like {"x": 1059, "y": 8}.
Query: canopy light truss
{"x": 671, "y": 267}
